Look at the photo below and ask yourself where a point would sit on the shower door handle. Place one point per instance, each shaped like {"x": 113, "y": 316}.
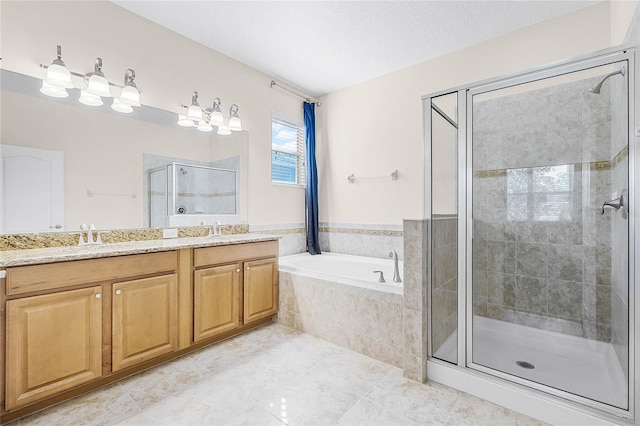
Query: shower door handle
{"x": 617, "y": 203}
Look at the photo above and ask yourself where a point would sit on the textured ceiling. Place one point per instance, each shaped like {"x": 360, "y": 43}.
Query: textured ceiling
{"x": 323, "y": 46}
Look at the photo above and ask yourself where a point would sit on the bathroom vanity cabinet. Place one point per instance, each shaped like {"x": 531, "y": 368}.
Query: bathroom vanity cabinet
{"x": 75, "y": 325}
{"x": 230, "y": 290}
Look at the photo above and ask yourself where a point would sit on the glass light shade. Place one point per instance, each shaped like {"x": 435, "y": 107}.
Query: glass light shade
{"x": 59, "y": 76}
{"x": 217, "y": 119}
{"x": 120, "y": 106}
{"x": 223, "y": 130}
{"x": 130, "y": 96}
{"x": 98, "y": 86}
{"x": 235, "y": 124}
{"x": 203, "y": 126}
{"x": 194, "y": 113}
{"x": 54, "y": 91}
{"x": 184, "y": 121}
{"x": 90, "y": 99}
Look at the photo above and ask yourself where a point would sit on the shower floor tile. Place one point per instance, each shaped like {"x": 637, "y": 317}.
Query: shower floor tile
{"x": 275, "y": 376}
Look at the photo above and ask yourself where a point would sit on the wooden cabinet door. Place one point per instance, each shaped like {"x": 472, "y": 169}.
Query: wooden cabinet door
{"x": 216, "y": 302}
{"x": 260, "y": 289}
{"x": 54, "y": 342}
{"x": 144, "y": 320}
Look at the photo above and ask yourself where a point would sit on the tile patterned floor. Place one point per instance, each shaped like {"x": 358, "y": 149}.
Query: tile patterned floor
{"x": 275, "y": 376}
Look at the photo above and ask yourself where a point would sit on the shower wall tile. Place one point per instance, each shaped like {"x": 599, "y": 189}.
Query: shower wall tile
{"x": 531, "y": 232}
{"x": 565, "y": 262}
{"x": 531, "y": 294}
{"x": 531, "y": 259}
{"x": 547, "y": 272}
{"x": 565, "y": 299}
{"x": 565, "y": 232}
{"x": 415, "y": 311}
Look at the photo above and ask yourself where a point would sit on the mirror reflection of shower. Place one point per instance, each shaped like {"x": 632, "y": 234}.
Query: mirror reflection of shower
{"x": 178, "y": 189}
{"x": 596, "y": 87}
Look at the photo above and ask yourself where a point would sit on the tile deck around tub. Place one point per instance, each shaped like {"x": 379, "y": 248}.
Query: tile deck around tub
{"x": 274, "y": 376}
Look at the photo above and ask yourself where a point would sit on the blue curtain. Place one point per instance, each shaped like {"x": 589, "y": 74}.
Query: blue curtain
{"x": 311, "y": 207}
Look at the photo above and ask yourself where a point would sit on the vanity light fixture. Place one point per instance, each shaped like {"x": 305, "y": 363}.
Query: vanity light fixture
{"x": 184, "y": 121}
{"x": 205, "y": 119}
{"x": 223, "y": 130}
{"x": 216, "y": 113}
{"x": 234, "y": 119}
{"x": 203, "y": 126}
{"x": 57, "y": 76}
{"x": 194, "y": 112}
{"x": 58, "y": 79}
{"x": 54, "y": 91}
{"x": 129, "y": 96}
{"x": 89, "y": 99}
{"x": 97, "y": 84}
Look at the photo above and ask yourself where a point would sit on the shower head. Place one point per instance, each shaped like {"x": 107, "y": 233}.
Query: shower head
{"x": 596, "y": 87}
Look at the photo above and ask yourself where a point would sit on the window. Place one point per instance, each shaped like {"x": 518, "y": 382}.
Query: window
{"x": 540, "y": 193}
{"x": 287, "y": 151}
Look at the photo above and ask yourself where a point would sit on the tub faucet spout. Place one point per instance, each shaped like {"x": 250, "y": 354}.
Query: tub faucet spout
{"x": 396, "y": 271}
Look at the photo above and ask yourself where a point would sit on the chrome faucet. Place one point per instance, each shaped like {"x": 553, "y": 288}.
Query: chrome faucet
{"x": 396, "y": 271}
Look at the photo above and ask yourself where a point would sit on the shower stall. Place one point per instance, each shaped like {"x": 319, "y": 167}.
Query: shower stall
{"x": 532, "y": 213}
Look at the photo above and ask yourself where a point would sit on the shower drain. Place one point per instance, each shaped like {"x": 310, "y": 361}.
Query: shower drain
{"x": 525, "y": 364}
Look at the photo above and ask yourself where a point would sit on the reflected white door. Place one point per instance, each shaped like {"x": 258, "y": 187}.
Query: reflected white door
{"x": 31, "y": 190}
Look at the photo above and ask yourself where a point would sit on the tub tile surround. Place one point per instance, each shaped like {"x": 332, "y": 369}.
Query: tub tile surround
{"x": 275, "y": 376}
{"x": 293, "y": 236}
{"x": 558, "y": 273}
{"x": 68, "y": 239}
{"x": 362, "y": 320}
{"x": 360, "y": 239}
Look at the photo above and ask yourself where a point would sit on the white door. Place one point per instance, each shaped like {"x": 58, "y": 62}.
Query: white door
{"x": 31, "y": 190}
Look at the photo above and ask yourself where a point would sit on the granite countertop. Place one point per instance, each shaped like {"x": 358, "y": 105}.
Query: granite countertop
{"x": 60, "y": 254}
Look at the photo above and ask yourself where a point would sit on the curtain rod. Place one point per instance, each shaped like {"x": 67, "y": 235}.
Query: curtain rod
{"x": 293, "y": 92}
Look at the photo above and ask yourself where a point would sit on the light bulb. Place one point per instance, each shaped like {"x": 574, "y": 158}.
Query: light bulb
{"x": 194, "y": 112}
{"x": 235, "y": 124}
{"x": 184, "y": 121}
{"x": 59, "y": 76}
{"x": 223, "y": 130}
{"x": 120, "y": 106}
{"x": 90, "y": 99}
{"x": 217, "y": 118}
{"x": 99, "y": 86}
{"x": 130, "y": 96}
{"x": 203, "y": 126}
{"x": 54, "y": 91}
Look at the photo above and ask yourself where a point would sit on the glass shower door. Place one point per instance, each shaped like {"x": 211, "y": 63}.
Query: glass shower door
{"x": 549, "y": 262}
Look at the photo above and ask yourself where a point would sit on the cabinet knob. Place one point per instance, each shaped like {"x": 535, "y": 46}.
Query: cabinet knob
{"x": 98, "y": 295}
{"x": 118, "y": 291}
{"x": 248, "y": 268}
{"x": 238, "y": 270}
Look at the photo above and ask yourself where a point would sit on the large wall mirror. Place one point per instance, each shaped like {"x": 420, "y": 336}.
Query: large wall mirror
{"x": 64, "y": 164}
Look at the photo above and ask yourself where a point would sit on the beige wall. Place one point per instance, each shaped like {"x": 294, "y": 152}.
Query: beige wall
{"x": 376, "y": 126}
{"x": 168, "y": 68}
{"x": 368, "y": 129}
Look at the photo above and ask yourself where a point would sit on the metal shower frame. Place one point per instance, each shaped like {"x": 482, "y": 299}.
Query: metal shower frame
{"x": 464, "y": 202}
